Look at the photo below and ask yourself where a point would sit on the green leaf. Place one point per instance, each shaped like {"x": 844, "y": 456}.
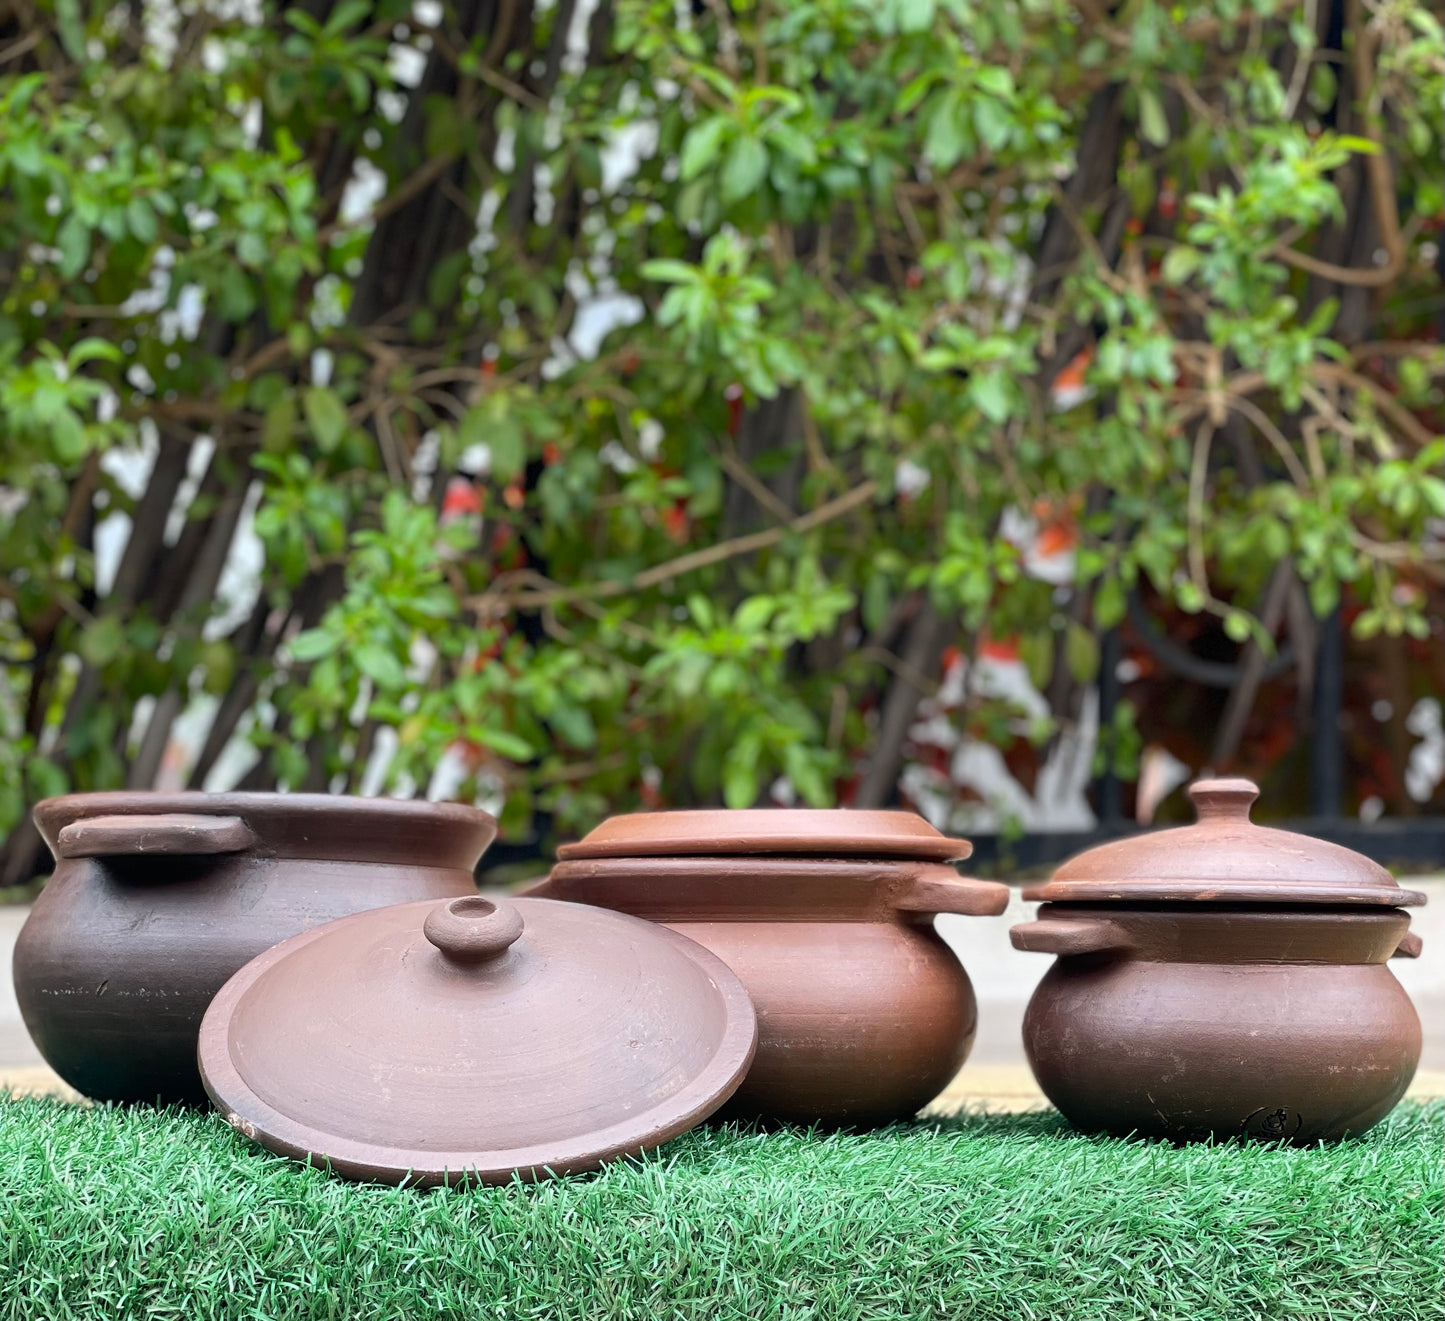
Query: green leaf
{"x": 743, "y": 169}
{"x": 1324, "y": 594}
{"x": 325, "y": 415}
{"x": 313, "y": 644}
{"x": 504, "y": 743}
{"x": 667, "y": 271}
{"x": 289, "y": 761}
{"x": 1153, "y": 123}
{"x": 92, "y": 349}
{"x": 1036, "y": 650}
{"x": 508, "y": 448}
{"x": 915, "y": 15}
{"x": 1081, "y": 652}
{"x": 73, "y": 240}
{"x": 237, "y": 299}
{"x": 996, "y": 80}
{"x": 807, "y": 777}
{"x": 740, "y": 772}
{"x": 141, "y": 219}
{"x": 701, "y": 145}
{"x": 101, "y": 641}
{"x": 753, "y": 614}
{"x": 279, "y": 422}
{"x": 47, "y": 780}
{"x": 700, "y": 608}
{"x": 914, "y": 92}
{"x": 1190, "y": 598}
{"x": 1109, "y": 603}
{"x": 446, "y": 275}
{"x": 345, "y": 15}
{"x": 72, "y": 29}
{"x": 380, "y": 664}
{"x": 67, "y": 433}
{"x": 573, "y": 724}
{"x": 1180, "y": 263}
{"x": 946, "y": 140}
{"x": 993, "y": 394}
{"x": 794, "y": 143}
{"x": 992, "y": 121}
{"x": 325, "y": 679}
{"x": 1364, "y": 146}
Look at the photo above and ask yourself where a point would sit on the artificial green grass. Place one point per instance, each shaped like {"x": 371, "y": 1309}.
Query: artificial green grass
{"x": 138, "y": 1213}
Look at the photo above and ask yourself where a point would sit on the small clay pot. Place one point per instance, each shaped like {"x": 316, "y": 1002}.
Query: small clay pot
{"x": 158, "y": 898}
{"x": 864, "y": 1013}
{"x": 1238, "y": 1001}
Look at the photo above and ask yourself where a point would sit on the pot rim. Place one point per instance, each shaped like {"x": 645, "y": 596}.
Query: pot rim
{"x": 1227, "y": 892}
{"x": 1342, "y": 912}
{"x": 1255, "y": 934}
{"x": 782, "y": 888}
{"x": 782, "y": 867}
{"x": 329, "y": 827}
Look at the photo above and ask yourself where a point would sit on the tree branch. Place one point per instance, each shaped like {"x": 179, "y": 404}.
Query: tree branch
{"x": 488, "y": 602}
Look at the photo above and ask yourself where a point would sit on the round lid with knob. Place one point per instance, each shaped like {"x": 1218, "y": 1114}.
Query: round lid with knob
{"x": 473, "y": 1039}
{"x": 1223, "y": 858}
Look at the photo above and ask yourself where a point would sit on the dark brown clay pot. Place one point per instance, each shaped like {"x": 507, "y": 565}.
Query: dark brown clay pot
{"x": 864, "y": 1014}
{"x": 158, "y": 898}
{"x": 1199, "y": 1008}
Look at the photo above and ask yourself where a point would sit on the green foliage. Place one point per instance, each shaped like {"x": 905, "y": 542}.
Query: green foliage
{"x": 835, "y": 226}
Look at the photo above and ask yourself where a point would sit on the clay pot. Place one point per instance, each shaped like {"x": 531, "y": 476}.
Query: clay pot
{"x": 158, "y": 898}
{"x": 864, "y": 1013}
{"x": 1222, "y": 980}
{"x": 475, "y": 1041}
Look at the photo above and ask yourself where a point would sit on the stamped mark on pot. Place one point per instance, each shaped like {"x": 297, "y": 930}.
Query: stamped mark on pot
{"x": 243, "y": 1126}
{"x": 1273, "y": 1123}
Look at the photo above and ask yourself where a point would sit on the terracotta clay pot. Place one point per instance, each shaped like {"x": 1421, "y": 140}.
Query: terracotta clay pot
{"x": 475, "y": 1040}
{"x": 864, "y": 1013}
{"x": 158, "y": 898}
{"x": 1250, "y": 998}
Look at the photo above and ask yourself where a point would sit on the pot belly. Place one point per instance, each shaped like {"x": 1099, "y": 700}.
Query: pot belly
{"x": 1298, "y": 1052}
{"x": 858, "y": 1023}
{"x": 114, "y": 975}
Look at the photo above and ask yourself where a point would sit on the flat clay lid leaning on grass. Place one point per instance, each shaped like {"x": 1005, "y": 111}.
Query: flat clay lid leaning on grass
{"x": 1224, "y": 858}
{"x": 813, "y": 832}
{"x": 471, "y": 1040}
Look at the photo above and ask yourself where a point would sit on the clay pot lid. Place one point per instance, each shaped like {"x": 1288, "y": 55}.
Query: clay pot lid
{"x": 474, "y": 1039}
{"x": 1223, "y": 858}
{"x": 816, "y": 832}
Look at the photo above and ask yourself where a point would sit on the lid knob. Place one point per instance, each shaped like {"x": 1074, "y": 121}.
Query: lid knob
{"x": 1228, "y": 799}
{"x": 473, "y": 930}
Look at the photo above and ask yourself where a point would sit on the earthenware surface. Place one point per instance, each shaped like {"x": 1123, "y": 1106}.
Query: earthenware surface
{"x": 1223, "y": 858}
{"x": 819, "y": 832}
{"x": 1196, "y": 1020}
{"x": 473, "y": 1040}
{"x": 864, "y": 1013}
{"x": 158, "y": 898}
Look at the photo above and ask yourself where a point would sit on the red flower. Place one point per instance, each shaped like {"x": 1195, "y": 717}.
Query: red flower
{"x": 677, "y": 523}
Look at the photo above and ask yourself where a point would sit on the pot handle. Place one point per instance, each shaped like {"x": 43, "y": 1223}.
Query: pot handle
{"x": 173, "y": 834}
{"x": 1409, "y": 947}
{"x": 1087, "y": 935}
{"x": 951, "y": 894}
